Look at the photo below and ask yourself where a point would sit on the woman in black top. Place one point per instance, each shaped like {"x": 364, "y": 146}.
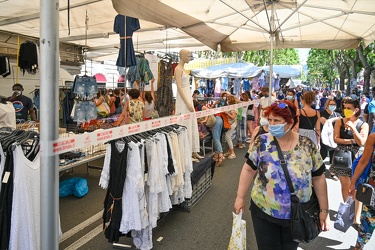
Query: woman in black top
{"x": 350, "y": 133}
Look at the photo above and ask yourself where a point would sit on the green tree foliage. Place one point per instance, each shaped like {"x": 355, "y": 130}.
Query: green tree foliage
{"x": 325, "y": 65}
{"x": 258, "y": 57}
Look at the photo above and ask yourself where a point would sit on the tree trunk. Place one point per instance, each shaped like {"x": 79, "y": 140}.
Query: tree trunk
{"x": 367, "y": 71}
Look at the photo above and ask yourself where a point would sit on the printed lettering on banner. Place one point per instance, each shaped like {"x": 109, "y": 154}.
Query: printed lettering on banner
{"x": 121, "y": 133}
{"x": 156, "y": 124}
{"x": 173, "y": 120}
{"x": 222, "y": 109}
{"x": 65, "y": 145}
{"x": 134, "y": 128}
{"x": 146, "y": 125}
{"x": 104, "y": 135}
{"x": 200, "y": 114}
{"x": 187, "y": 117}
{"x": 87, "y": 140}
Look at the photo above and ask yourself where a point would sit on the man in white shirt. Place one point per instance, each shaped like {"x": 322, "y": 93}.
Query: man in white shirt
{"x": 266, "y": 99}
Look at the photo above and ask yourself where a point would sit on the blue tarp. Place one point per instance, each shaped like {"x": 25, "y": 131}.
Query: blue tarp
{"x": 245, "y": 70}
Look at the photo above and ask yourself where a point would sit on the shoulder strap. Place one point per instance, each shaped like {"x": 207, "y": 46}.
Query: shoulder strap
{"x": 283, "y": 164}
{"x": 359, "y": 125}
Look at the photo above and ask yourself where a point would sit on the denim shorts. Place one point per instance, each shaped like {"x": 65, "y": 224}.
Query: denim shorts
{"x": 85, "y": 87}
{"x": 85, "y": 112}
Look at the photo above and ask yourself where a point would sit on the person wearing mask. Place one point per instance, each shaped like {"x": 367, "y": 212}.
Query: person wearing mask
{"x": 232, "y": 118}
{"x": 291, "y": 96}
{"x": 309, "y": 119}
{"x": 350, "y": 133}
{"x": 328, "y": 115}
{"x": 367, "y": 226}
{"x": 241, "y": 129}
{"x": 23, "y": 105}
{"x": 270, "y": 202}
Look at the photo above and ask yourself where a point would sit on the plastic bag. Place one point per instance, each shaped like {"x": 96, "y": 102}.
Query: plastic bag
{"x": 238, "y": 237}
{"x": 81, "y": 188}
{"x": 74, "y": 186}
{"x": 345, "y": 215}
{"x": 327, "y": 135}
{"x": 365, "y": 174}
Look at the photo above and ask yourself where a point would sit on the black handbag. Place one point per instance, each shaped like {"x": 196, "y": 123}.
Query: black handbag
{"x": 342, "y": 158}
{"x": 366, "y": 194}
{"x": 304, "y": 219}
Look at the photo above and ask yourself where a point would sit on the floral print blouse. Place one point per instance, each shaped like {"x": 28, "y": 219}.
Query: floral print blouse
{"x": 136, "y": 108}
{"x": 270, "y": 191}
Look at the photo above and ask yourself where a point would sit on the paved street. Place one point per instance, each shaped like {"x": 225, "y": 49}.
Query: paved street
{"x": 206, "y": 226}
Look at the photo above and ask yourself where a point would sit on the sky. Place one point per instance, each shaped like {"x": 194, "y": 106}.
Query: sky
{"x": 303, "y": 53}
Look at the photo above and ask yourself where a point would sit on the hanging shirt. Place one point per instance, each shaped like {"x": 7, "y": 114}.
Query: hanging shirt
{"x": 25, "y": 229}
{"x": 22, "y": 104}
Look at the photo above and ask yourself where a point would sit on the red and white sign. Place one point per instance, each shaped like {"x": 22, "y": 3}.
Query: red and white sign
{"x": 104, "y": 136}
{"x": 67, "y": 144}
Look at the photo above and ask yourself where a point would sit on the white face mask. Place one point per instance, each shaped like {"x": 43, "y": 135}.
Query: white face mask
{"x": 263, "y": 121}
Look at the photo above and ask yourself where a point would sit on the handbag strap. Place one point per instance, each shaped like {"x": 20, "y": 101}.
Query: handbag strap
{"x": 308, "y": 118}
{"x": 283, "y": 164}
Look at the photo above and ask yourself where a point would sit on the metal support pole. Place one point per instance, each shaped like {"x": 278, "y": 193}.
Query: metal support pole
{"x": 49, "y": 81}
{"x": 125, "y": 79}
{"x": 272, "y": 34}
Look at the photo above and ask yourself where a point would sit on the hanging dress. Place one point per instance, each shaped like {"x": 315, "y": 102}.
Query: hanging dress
{"x": 181, "y": 108}
{"x": 132, "y": 24}
{"x": 164, "y": 101}
{"x": 112, "y": 213}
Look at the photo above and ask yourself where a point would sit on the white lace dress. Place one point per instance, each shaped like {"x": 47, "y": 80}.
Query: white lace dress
{"x": 181, "y": 108}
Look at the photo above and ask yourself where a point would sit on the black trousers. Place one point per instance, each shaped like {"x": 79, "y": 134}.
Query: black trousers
{"x": 271, "y": 235}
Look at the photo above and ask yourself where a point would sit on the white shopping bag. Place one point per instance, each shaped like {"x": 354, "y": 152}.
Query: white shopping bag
{"x": 345, "y": 215}
{"x": 238, "y": 237}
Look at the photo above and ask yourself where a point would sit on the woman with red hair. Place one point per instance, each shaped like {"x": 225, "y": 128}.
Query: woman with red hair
{"x": 270, "y": 196}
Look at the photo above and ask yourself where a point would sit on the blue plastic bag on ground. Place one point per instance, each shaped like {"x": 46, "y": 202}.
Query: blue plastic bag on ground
{"x": 81, "y": 188}
{"x": 73, "y": 186}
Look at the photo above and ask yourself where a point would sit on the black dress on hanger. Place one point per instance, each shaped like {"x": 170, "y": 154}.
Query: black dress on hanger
{"x": 112, "y": 213}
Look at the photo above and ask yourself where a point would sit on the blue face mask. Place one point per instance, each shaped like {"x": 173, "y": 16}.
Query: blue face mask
{"x": 289, "y": 97}
{"x": 278, "y": 130}
{"x": 332, "y": 107}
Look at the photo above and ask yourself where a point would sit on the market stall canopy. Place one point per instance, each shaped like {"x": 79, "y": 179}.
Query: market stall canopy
{"x": 231, "y": 70}
{"x": 245, "y": 70}
{"x": 285, "y": 71}
{"x": 21, "y": 18}
{"x": 240, "y": 25}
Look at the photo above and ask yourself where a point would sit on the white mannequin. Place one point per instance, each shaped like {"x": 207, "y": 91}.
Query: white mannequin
{"x": 184, "y": 102}
{"x": 184, "y": 58}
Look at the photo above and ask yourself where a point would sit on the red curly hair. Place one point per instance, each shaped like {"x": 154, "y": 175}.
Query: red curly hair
{"x": 288, "y": 113}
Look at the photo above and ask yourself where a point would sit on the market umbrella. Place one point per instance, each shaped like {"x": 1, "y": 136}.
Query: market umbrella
{"x": 240, "y": 25}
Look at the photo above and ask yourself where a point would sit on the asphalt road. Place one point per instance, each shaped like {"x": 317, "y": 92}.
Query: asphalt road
{"x": 207, "y": 226}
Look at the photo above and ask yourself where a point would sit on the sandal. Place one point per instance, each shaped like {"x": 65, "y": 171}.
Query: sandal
{"x": 227, "y": 154}
{"x": 215, "y": 157}
{"x": 242, "y": 146}
{"x": 220, "y": 160}
{"x": 231, "y": 156}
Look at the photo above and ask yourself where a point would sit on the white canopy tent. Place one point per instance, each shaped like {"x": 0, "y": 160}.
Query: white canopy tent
{"x": 235, "y": 25}
{"x": 239, "y": 25}
{"x": 244, "y": 70}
